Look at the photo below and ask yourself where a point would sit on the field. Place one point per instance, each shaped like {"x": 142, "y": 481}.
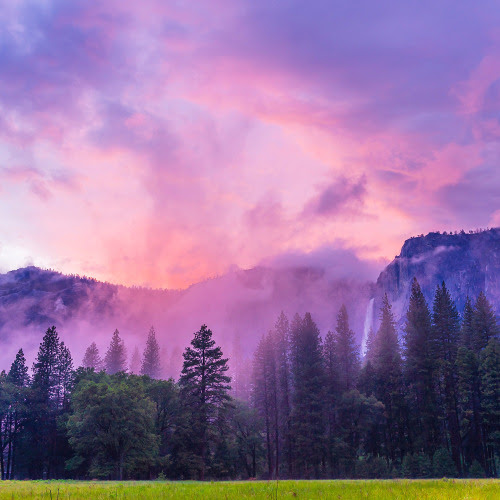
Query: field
{"x": 400, "y": 489}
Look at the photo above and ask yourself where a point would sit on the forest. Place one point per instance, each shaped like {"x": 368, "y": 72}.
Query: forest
{"x": 423, "y": 402}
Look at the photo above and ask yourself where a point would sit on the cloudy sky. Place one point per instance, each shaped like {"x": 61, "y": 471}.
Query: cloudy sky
{"x": 170, "y": 141}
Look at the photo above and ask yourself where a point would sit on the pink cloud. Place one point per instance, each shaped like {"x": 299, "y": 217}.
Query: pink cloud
{"x": 172, "y": 141}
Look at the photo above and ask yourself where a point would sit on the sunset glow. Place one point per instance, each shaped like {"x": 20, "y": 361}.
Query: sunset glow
{"x": 164, "y": 143}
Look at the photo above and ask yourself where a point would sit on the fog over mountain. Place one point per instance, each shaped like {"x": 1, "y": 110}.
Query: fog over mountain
{"x": 241, "y": 305}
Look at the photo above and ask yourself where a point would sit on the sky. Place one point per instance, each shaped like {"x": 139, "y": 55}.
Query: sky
{"x": 162, "y": 143}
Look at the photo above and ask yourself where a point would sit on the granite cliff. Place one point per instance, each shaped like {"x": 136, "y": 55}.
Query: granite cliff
{"x": 467, "y": 262}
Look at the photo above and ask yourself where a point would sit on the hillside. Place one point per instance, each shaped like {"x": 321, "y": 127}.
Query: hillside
{"x": 241, "y": 305}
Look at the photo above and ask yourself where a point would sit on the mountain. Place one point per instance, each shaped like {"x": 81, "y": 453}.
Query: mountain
{"x": 241, "y": 305}
{"x": 468, "y": 262}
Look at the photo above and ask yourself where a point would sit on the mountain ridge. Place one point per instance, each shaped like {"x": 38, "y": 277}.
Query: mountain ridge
{"x": 241, "y": 305}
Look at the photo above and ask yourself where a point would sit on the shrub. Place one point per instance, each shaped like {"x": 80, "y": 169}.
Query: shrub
{"x": 476, "y": 470}
{"x": 443, "y": 464}
{"x": 372, "y": 468}
{"x": 417, "y": 465}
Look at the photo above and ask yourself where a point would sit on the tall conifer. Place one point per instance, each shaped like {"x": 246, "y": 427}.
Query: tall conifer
{"x": 308, "y": 376}
{"x": 446, "y": 335}
{"x": 419, "y": 373}
{"x": 92, "y": 358}
{"x": 387, "y": 367}
{"x": 204, "y": 389}
{"x": 116, "y": 355}
{"x": 151, "y": 365}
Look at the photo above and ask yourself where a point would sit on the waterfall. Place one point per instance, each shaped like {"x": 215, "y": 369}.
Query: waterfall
{"x": 367, "y": 326}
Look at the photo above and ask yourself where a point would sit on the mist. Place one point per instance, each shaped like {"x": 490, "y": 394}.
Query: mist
{"x": 239, "y": 307}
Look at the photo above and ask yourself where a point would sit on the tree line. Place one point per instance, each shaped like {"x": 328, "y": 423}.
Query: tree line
{"x": 428, "y": 407}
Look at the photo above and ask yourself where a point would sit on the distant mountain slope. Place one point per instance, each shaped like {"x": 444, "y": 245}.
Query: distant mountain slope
{"x": 239, "y": 307}
{"x": 468, "y": 262}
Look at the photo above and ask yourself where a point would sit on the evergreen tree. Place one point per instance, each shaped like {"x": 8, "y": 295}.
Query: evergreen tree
{"x": 204, "y": 390}
{"x": 342, "y": 365}
{"x": 346, "y": 353}
{"x": 65, "y": 376}
{"x": 484, "y": 323}
{"x": 13, "y": 391}
{"x": 366, "y": 381}
{"x": 18, "y": 373}
{"x": 419, "y": 372}
{"x": 479, "y": 325}
{"x": 135, "y": 362}
{"x": 264, "y": 395}
{"x": 92, "y": 358}
{"x": 47, "y": 446}
{"x": 443, "y": 464}
{"x": 151, "y": 365}
{"x": 387, "y": 367}
{"x": 332, "y": 398}
{"x": 467, "y": 328}
{"x": 281, "y": 341}
{"x": 308, "y": 425}
{"x": 468, "y": 392}
{"x": 116, "y": 355}
{"x": 46, "y": 369}
{"x": 370, "y": 340}
{"x": 490, "y": 403}
{"x": 5, "y": 403}
{"x": 446, "y": 336}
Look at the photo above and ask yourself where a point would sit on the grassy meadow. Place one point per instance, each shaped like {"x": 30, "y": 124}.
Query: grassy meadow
{"x": 342, "y": 489}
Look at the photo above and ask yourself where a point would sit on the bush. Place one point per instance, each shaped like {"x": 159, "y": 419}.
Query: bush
{"x": 417, "y": 465}
{"x": 372, "y": 468}
{"x": 476, "y": 470}
{"x": 443, "y": 464}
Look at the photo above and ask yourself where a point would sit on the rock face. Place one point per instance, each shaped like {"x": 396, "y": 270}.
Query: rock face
{"x": 467, "y": 262}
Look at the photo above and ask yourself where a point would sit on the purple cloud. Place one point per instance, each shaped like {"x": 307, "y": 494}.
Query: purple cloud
{"x": 341, "y": 196}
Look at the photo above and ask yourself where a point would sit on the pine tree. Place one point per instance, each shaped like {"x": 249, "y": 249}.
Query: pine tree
{"x": 342, "y": 365}
{"x": 484, "y": 323}
{"x": 263, "y": 390}
{"x": 478, "y": 326}
{"x": 446, "y": 336}
{"x": 18, "y": 380}
{"x": 308, "y": 425}
{"x": 490, "y": 403}
{"x": 92, "y": 359}
{"x": 332, "y": 398}
{"x": 52, "y": 383}
{"x": 281, "y": 348}
{"x": 135, "y": 362}
{"x": 18, "y": 373}
{"x": 66, "y": 376}
{"x": 468, "y": 392}
{"x": 204, "y": 389}
{"x": 346, "y": 352}
{"x": 370, "y": 340}
{"x": 419, "y": 373}
{"x": 151, "y": 365}
{"x": 387, "y": 367}
{"x": 116, "y": 356}
{"x": 467, "y": 328}
{"x": 45, "y": 368}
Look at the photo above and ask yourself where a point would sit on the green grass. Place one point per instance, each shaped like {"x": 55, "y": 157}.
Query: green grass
{"x": 400, "y": 489}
